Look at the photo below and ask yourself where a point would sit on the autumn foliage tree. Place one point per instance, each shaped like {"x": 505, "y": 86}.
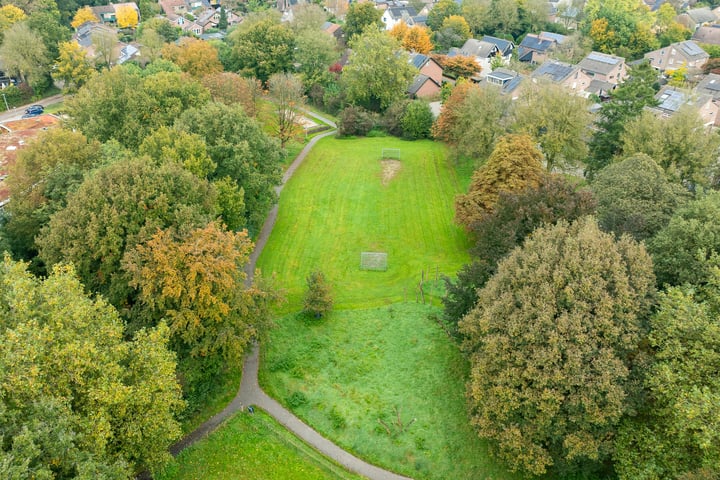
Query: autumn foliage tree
{"x": 196, "y": 282}
{"x": 318, "y": 299}
{"x": 126, "y": 16}
{"x": 472, "y": 119}
{"x": 287, "y": 91}
{"x": 515, "y": 216}
{"x": 78, "y": 399}
{"x": 84, "y": 14}
{"x": 230, "y": 88}
{"x": 193, "y": 56}
{"x": 417, "y": 39}
{"x": 514, "y": 165}
{"x": 73, "y": 66}
{"x": 552, "y": 343}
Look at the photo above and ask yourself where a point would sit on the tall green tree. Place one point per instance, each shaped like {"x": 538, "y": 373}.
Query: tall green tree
{"x": 678, "y": 434}
{"x": 559, "y": 122}
{"x": 635, "y": 198}
{"x": 552, "y": 341}
{"x": 124, "y": 105}
{"x": 242, "y": 151}
{"x": 53, "y": 165}
{"x": 680, "y": 250}
{"x": 262, "y": 48}
{"x": 76, "y": 399}
{"x": 359, "y": 17}
{"x": 378, "y": 72}
{"x": 682, "y": 145}
{"x": 515, "y": 216}
{"x": 115, "y": 209}
{"x": 627, "y": 102}
{"x": 314, "y": 56}
{"x": 513, "y": 166}
{"x": 25, "y": 55}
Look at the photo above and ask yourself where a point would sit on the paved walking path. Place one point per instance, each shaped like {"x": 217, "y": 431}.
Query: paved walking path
{"x": 250, "y": 392}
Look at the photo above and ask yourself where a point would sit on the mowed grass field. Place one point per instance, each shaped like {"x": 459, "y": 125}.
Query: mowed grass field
{"x": 253, "y": 447}
{"x": 340, "y": 203}
{"x": 385, "y": 383}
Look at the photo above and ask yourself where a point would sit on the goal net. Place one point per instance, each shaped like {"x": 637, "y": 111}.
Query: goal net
{"x": 391, "y": 154}
{"x": 373, "y": 261}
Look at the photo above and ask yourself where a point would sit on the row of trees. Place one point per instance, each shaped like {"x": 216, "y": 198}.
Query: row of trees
{"x": 578, "y": 362}
{"x": 148, "y": 193}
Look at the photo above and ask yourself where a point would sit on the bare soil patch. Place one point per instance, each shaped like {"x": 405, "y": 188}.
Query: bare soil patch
{"x": 390, "y": 168}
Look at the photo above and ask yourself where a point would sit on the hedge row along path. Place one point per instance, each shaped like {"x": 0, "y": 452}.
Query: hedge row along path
{"x": 250, "y": 392}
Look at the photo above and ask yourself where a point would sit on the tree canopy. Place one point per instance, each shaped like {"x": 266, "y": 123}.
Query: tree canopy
{"x": 116, "y": 208}
{"x": 680, "y": 250}
{"x": 76, "y": 399}
{"x": 378, "y": 72}
{"x": 262, "y": 48}
{"x": 551, "y": 342}
{"x": 359, "y": 17}
{"x": 635, "y": 197}
{"x": 513, "y": 166}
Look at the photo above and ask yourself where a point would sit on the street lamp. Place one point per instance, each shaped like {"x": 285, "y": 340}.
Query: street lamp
{"x": 6, "y": 104}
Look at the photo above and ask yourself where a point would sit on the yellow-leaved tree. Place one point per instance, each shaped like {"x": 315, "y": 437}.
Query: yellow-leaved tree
{"x": 399, "y": 31}
{"x": 73, "y": 66}
{"x": 417, "y": 39}
{"x": 126, "y": 16}
{"x": 83, "y": 15}
{"x": 9, "y": 15}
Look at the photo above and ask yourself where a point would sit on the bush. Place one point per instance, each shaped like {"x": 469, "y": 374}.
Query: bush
{"x": 417, "y": 120}
{"x": 355, "y": 121}
{"x": 392, "y": 118}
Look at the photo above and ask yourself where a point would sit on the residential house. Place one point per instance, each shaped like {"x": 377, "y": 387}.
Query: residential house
{"x": 604, "y": 67}
{"x": 710, "y": 85}
{"x": 534, "y": 48}
{"x": 505, "y": 47}
{"x": 174, "y": 7}
{"x": 696, "y": 18}
{"x": 508, "y": 81}
{"x": 84, "y": 33}
{"x": 335, "y": 30}
{"x": 569, "y": 76}
{"x": 709, "y": 35}
{"x": 108, "y": 13}
{"x": 482, "y": 52}
{"x": 6, "y": 81}
{"x": 394, "y": 15}
{"x": 127, "y": 52}
{"x": 428, "y": 81}
{"x": 673, "y": 99}
{"x": 681, "y": 54}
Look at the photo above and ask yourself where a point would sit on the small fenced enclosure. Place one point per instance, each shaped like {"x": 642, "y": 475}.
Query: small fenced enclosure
{"x": 390, "y": 154}
{"x": 375, "y": 261}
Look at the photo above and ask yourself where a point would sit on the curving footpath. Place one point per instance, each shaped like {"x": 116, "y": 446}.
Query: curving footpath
{"x": 250, "y": 392}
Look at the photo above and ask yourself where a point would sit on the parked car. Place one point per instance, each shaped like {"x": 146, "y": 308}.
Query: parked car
{"x": 33, "y": 110}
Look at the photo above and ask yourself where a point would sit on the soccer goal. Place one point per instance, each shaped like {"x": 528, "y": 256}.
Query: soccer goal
{"x": 376, "y": 261}
{"x": 390, "y": 154}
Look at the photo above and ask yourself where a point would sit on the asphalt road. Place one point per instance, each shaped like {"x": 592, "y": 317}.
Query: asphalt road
{"x": 18, "y": 112}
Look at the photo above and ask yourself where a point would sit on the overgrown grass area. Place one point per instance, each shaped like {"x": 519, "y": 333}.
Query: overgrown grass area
{"x": 385, "y": 383}
{"x": 343, "y": 201}
{"x": 253, "y": 447}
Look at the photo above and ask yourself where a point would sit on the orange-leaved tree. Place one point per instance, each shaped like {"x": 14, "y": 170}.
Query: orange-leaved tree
{"x": 417, "y": 39}
{"x": 514, "y": 165}
{"x": 196, "y": 57}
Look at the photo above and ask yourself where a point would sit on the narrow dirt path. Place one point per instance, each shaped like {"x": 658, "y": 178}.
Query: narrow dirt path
{"x": 250, "y": 392}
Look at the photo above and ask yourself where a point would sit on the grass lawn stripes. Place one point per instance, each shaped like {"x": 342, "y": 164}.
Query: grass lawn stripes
{"x": 339, "y": 204}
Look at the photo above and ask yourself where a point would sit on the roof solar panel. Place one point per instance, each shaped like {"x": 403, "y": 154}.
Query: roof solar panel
{"x": 691, "y": 48}
{"x": 598, "y": 57}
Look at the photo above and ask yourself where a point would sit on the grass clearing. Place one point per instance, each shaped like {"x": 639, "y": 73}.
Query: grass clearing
{"x": 338, "y": 205}
{"x": 253, "y": 447}
{"x": 348, "y": 372}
